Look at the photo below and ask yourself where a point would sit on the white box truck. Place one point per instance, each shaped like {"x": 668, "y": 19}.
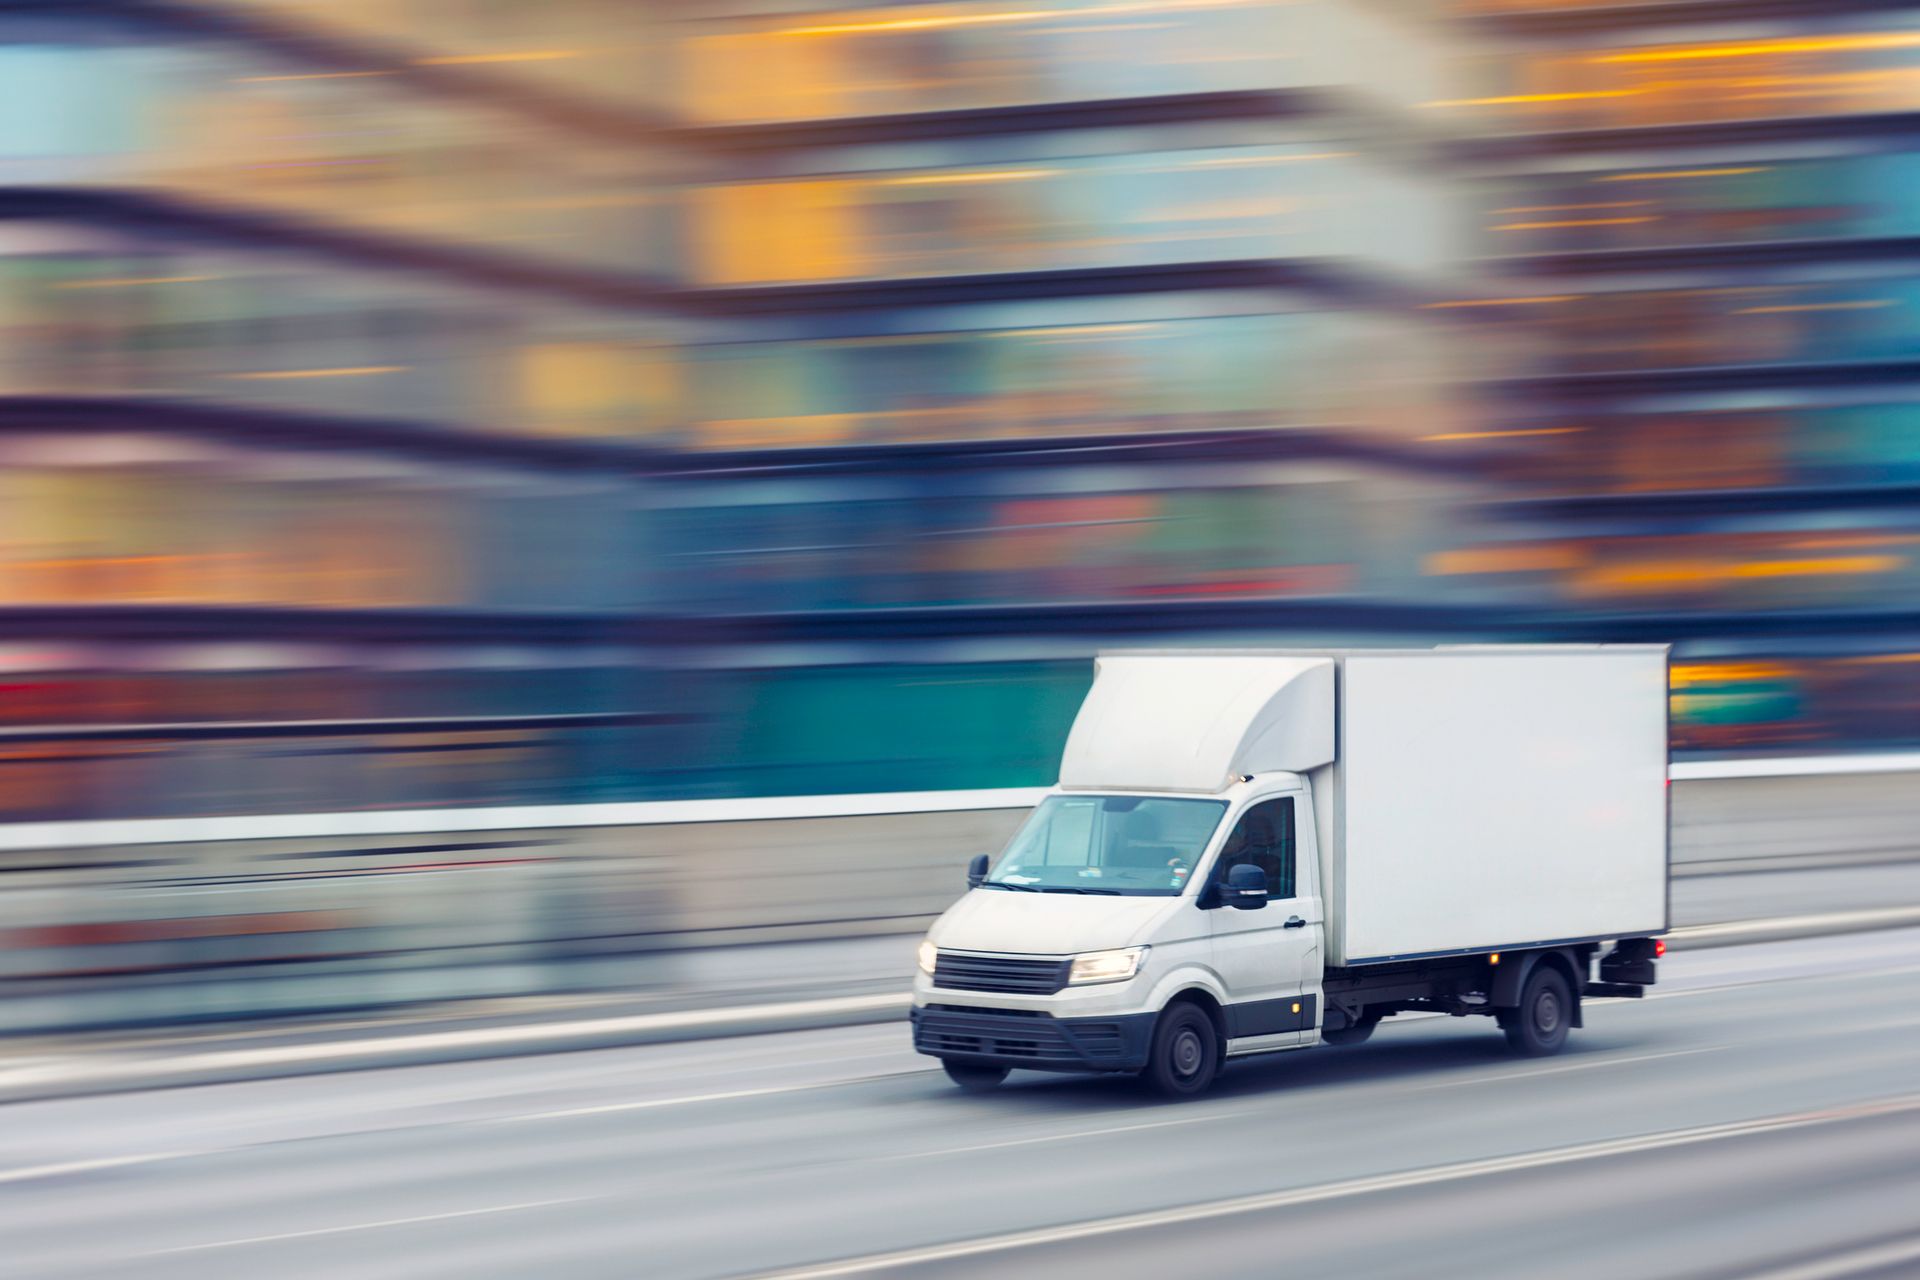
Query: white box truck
{"x": 1258, "y": 851}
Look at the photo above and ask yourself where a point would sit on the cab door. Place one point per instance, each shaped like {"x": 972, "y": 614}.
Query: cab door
{"x": 1268, "y": 957}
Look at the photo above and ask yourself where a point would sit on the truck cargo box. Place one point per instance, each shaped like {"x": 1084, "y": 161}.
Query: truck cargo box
{"x": 1464, "y": 799}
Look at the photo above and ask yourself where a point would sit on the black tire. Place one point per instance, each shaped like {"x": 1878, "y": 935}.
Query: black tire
{"x": 1353, "y": 1033}
{"x": 1539, "y": 1025}
{"x": 974, "y": 1077}
{"x": 1186, "y": 1053}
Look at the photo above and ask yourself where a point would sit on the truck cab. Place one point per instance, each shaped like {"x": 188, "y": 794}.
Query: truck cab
{"x": 1110, "y": 907}
{"x": 1167, "y": 906}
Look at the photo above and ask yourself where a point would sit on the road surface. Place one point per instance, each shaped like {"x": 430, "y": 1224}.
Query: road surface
{"x": 1761, "y": 1117}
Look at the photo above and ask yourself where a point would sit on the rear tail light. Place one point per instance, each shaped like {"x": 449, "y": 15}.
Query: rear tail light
{"x": 1659, "y": 947}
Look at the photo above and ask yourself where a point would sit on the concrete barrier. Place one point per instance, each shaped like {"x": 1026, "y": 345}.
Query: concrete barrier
{"x": 107, "y": 923}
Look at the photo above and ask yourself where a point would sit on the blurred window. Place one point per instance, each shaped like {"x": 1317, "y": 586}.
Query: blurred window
{"x": 1263, "y": 837}
{"x": 1127, "y": 845}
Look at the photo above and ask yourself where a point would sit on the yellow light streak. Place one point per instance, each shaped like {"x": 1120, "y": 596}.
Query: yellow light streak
{"x": 1520, "y": 99}
{"x": 937, "y": 21}
{"x": 1764, "y": 48}
{"x": 1575, "y": 222}
{"x": 1816, "y": 567}
{"x": 1671, "y": 175}
{"x": 1574, "y": 208}
{"x": 976, "y": 175}
{"x": 1500, "y": 302}
{"x": 1873, "y": 304}
{"x": 132, "y": 282}
{"x": 1502, "y": 435}
{"x": 1685, "y": 676}
{"x": 353, "y": 371}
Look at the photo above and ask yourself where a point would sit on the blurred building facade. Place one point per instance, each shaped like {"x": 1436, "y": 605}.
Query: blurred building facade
{"x": 439, "y": 402}
{"x": 1702, "y": 215}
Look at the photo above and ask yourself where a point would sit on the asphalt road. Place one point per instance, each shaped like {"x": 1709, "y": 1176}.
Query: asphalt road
{"x": 1761, "y": 1117}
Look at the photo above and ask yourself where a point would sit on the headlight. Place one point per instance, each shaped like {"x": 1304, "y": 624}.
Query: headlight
{"x": 928, "y": 954}
{"x": 1106, "y": 966}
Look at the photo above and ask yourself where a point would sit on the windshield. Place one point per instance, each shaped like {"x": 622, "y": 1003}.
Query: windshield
{"x": 1135, "y": 845}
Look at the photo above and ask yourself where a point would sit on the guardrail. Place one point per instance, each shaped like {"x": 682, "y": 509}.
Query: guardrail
{"x": 118, "y": 921}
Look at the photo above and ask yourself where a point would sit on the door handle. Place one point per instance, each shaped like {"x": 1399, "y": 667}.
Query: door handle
{"x": 1295, "y": 922}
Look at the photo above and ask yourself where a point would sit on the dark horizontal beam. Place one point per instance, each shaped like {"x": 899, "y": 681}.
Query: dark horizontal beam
{"x": 1715, "y": 502}
{"x": 1708, "y": 379}
{"x": 1328, "y": 279}
{"x": 999, "y": 121}
{"x": 1105, "y": 620}
{"x": 1690, "y": 136}
{"x": 1249, "y": 444}
{"x": 1745, "y": 258}
{"x": 145, "y": 215}
{"x": 1282, "y": 617}
{"x": 1580, "y": 19}
{"x": 150, "y": 216}
{"x": 232, "y": 729}
{"x": 289, "y": 625}
{"x": 1656, "y": 628}
{"x": 288, "y": 430}
{"x": 293, "y": 430}
{"x": 316, "y": 48}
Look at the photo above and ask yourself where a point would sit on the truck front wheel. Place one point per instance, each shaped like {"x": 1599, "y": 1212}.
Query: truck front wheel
{"x": 1539, "y": 1025}
{"x": 1186, "y": 1053}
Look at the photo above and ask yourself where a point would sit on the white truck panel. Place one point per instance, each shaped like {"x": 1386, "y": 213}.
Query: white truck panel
{"x": 1197, "y": 721}
{"x": 1489, "y": 799}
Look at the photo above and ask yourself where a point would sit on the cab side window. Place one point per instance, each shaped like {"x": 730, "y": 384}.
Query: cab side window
{"x": 1263, "y": 837}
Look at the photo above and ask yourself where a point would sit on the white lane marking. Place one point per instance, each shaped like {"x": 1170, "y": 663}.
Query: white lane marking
{"x": 1241, "y": 1113}
{"x": 38, "y": 1172}
{"x": 34, "y": 1173}
{"x": 1873, "y": 1257}
{"x": 1055, "y": 1137}
{"x": 367, "y": 1226}
{"x": 1341, "y": 1190}
{"x": 1559, "y": 1068}
{"x": 649, "y": 1104}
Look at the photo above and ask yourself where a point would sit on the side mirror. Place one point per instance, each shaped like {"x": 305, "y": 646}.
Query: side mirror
{"x": 1246, "y": 888}
{"x": 977, "y": 871}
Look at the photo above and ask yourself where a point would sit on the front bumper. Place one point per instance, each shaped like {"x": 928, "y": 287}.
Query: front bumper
{"x": 1031, "y": 1039}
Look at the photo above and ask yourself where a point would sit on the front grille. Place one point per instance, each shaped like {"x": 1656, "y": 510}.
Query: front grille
{"x": 954, "y": 1031}
{"x": 951, "y": 1033}
{"x": 960, "y": 972}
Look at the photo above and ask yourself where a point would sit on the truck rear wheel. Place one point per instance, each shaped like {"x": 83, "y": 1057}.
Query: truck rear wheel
{"x": 1539, "y": 1025}
{"x": 974, "y": 1077}
{"x": 1186, "y": 1053}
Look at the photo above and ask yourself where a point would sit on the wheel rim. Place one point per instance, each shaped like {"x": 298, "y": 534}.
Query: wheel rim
{"x": 1188, "y": 1053}
{"x": 1546, "y": 1012}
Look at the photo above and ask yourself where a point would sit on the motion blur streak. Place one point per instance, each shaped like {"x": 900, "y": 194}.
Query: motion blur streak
{"x": 432, "y": 429}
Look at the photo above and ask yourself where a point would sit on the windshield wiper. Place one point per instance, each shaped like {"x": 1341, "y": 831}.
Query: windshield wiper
{"x": 1002, "y": 884}
{"x": 1069, "y": 888}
